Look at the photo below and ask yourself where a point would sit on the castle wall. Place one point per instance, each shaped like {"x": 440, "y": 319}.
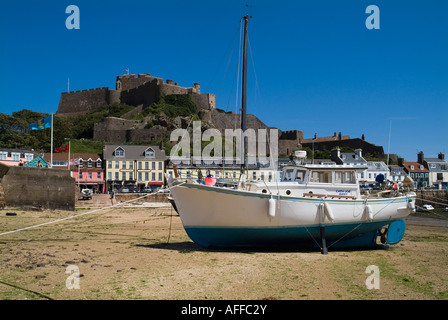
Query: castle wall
{"x": 81, "y": 102}
{"x": 145, "y": 95}
{"x": 204, "y": 101}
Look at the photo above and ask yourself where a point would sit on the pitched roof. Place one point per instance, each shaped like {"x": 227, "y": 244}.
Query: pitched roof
{"x": 417, "y": 166}
{"x": 132, "y": 152}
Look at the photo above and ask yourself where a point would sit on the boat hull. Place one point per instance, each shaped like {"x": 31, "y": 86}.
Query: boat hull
{"x": 221, "y": 218}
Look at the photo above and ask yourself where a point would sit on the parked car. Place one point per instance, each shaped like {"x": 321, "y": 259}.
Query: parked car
{"x": 445, "y": 209}
{"x": 428, "y": 207}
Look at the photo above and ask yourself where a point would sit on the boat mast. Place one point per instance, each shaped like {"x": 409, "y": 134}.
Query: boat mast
{"x": 243, "y": 96}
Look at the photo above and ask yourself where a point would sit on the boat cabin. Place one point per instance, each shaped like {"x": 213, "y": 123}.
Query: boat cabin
{"x": 338, "y": 181}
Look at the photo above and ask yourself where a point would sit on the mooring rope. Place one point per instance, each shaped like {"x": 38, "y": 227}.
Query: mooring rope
{"x": 78, "y": 215}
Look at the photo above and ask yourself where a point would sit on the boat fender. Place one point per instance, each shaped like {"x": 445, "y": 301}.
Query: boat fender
{"x": 411, "y": 205}
{"x": 271, "y": 207}
{"x": 369, "y": 211}
{"x": 328, "y": 211}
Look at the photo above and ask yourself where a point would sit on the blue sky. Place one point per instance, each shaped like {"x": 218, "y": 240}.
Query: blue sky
{"x": 314, "y": 66}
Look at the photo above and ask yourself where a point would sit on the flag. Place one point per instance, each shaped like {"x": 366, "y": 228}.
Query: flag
{"x": 74, "y": 162}
{"x": 41, "y": 124}
{"x": 62, "y": 149}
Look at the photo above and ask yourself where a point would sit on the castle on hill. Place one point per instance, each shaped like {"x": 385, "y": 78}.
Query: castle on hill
{"x": 132, "y": 90}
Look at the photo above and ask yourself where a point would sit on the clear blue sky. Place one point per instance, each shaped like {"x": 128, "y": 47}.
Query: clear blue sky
{"x": 318, "y": 68}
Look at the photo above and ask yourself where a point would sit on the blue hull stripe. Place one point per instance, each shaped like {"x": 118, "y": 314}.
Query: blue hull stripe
{"x": 353, "y": 235}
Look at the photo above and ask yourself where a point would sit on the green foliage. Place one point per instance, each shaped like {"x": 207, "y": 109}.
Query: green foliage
{"x": 15, "y": 133}
{"x": 86, "y": 146}
{"x": 172, "y": 105}
{"x": 82, "y": 125}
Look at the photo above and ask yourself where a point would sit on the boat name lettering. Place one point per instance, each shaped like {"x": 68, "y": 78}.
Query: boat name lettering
{"x": 343, "y": 192}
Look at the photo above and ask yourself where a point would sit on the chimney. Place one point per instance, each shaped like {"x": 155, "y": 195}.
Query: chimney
{"x": 441, "y": 156}
{"x": 315, "y": 136}
{"x": 336, "y": 155}
{"x": 169, "y": 81}
{"x": 340, "y": 136}
{"x": 420, "y": 157}
{"x": 401, "y": 162}
{"x": 363, "y": 137}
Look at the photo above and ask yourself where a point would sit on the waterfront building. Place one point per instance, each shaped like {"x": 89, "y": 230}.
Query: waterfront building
{"x": 134, "y": 168}
{"x": 85, "y": 168}
{"x": 438, "y": 170}
{"x": 417, "y": 172}
{"x": 17, "y": 157}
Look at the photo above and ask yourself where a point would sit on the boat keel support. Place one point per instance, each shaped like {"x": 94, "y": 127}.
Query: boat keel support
{"x": 324, "y": 241}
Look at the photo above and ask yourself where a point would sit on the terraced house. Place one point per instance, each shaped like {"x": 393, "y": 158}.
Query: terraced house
{"x": 133, "y": 167}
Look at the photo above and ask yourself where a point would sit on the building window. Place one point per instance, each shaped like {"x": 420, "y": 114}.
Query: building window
{"x": 139, "y": 176}
{"x": 131, "y": 176}
{"x": 29, "y": 157}
{"x": 117, "y": 165}
{"x": 160, "y": 165}
{"x": 116, "y": 175}
{"x": 139, "y": 165}
{"x": 131, "y": 165}
{"x": 123, "y": 164}
{"x": 98, "y": 175}
{"x": 146, "y": 165}
{"x": 153, "y": 165}
{"x": 123, "y": 176}
{"x": 119, "y": 152}
{"x": 109, "y": 164}
{"x": 15, "y": 156}
{"x": 146, "y": 176}
{"x": 160, "y": 176}
{"x": 89, "y": 163}
{"x": 90, "y": 175}
{"x": 149, "y": 153}
{"x": 98, "y": 163}
{"x": 109, "y": 176}
{"x": 3, "y": 155}
{"x": 153, "y": 176}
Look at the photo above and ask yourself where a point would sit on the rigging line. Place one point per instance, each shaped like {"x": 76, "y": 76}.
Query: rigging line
{"x": 231, "y": 44}
{"x": 75, "y": 216}
{"x": 345, "y": 235}
{"x": 25, "y": 289}
{"x": 313, "y": 237}
{"x": 435, "y": 202}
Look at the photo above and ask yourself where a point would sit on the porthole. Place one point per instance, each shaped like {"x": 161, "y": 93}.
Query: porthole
{"x": 264, "y": 191}
{"x": 288, "y": 192}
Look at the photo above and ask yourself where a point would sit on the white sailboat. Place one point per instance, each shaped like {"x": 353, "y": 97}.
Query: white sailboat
{"x": 318, "y": 206}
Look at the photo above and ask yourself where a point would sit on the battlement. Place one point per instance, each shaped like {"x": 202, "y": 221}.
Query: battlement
{"x": 131, "y": 89}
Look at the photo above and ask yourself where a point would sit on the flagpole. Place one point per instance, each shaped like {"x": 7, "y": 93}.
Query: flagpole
{"x": 51, "y": 164}
{"x": 68, "y": 166}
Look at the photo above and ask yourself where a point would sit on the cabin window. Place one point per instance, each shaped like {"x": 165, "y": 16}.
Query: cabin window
{"x": 300, "y": 175}
{"x": 321, "y": 176}
{"x": 344, "y": 177}
{"x": 288, "y": 174}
